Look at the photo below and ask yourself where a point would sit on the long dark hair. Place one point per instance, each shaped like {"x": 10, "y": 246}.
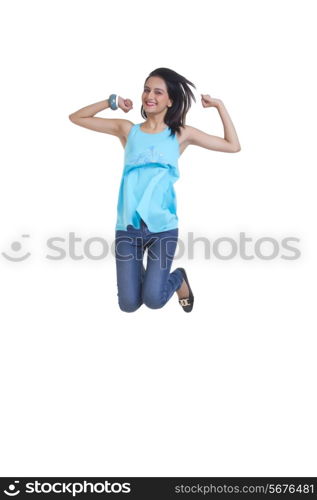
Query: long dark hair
{"x": 179, "y": 92}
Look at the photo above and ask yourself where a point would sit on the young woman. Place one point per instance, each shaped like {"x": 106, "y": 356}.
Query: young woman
{"x": 146, "y": 210}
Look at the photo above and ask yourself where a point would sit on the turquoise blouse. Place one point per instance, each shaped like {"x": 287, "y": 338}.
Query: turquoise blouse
{"x": 146, "y": 189}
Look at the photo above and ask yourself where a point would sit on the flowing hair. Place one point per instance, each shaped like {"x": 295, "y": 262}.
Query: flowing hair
{"x": 179, "y": 92}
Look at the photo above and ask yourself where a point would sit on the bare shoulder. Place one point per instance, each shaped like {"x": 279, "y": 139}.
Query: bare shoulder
{"x": 125, "y": 127}
{"x": 188, "y": 133}
{"x": 183, "y": 134}
{"x": 183, "y": 138}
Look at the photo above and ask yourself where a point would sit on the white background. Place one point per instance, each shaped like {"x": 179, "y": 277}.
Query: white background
{"x": 87, "y": 389}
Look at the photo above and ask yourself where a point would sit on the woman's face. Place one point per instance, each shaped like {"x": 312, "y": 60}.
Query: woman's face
{"x": 155, "y": 91}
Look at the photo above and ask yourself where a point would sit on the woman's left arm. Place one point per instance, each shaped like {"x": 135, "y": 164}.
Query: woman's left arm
{"x": 228, "y": 144}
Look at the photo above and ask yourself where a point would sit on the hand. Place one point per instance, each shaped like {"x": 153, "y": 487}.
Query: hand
{"x": 209, "y": 102}
{"x": 125, "y": 104}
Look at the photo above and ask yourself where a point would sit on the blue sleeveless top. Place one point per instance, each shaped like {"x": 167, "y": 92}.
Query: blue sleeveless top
{"x": 146, "y": 189}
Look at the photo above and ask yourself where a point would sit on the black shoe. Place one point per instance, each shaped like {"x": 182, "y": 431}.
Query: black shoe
{"x": 188, "y": 302}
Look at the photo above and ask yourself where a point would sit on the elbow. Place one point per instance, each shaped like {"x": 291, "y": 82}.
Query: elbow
{"x": 232, "y": 147}
{"x": 73, "y": 117}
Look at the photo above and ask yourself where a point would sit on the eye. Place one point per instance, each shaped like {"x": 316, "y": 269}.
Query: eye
{"x": 159, "y": 93}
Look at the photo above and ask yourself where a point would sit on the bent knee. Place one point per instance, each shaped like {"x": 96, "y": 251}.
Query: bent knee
{"x": 153, "y": 301}
{"x": 128, "y": 306}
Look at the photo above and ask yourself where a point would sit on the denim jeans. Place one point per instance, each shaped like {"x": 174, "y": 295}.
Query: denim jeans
{"x": 152, "y": 286}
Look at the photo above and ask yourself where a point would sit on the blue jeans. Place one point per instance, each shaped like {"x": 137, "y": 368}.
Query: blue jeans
{"x": 154, "y": 285}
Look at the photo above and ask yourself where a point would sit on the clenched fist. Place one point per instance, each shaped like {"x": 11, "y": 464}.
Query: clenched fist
{"x": 125, "y": 104}
{"x": 209, "y": 102}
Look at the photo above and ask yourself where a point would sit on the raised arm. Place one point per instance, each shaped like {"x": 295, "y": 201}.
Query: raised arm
{"x": 228, "y": 144}
{"x": 84, "y": 117}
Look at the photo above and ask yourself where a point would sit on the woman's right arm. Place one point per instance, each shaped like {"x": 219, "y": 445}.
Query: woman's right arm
{"x": 84, "y": 117}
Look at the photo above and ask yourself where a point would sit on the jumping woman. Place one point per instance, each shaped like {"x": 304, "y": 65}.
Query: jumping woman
{"x": 146, "y": 209}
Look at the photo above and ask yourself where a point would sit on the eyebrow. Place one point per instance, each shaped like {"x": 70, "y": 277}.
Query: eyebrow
{"x": 146, "y": 87}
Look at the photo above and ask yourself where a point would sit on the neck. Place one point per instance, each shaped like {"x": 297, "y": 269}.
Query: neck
{"x": 155, "y": 122}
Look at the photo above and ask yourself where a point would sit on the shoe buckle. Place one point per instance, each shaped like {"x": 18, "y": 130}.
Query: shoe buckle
{"x": 184, "y": 302}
